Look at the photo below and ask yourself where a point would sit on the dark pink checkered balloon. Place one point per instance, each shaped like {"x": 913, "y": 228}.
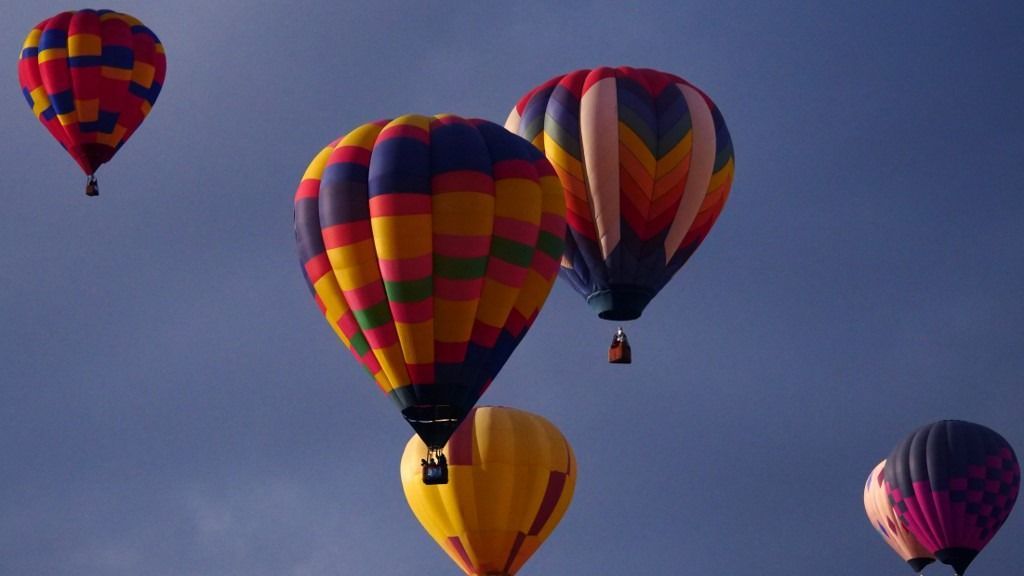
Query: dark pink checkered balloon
{"x": 953, "y": 484}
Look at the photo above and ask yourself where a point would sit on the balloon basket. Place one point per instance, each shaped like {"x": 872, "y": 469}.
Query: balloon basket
{"x": 619, "y": 352}
{"x": 435, "y": 468}
{"x": 92, "y": 187}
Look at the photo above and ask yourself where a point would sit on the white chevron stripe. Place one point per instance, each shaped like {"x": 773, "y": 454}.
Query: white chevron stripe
{"x": 702, "y": 163}
{"x": 599, "y": 136}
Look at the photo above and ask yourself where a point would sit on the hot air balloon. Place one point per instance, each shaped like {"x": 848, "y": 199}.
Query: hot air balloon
{"x": 884, "y": 520}
{"x": 91, "y": 77}
{"x": 646, "y": 163}
{"x": 953, "y": 484}
{"x": 512, "y": 479}
{"x": 430, "y": 245}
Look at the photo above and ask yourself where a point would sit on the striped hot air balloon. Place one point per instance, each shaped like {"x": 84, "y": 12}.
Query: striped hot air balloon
{"x": 512, "y": 476}
{"x": 953, "y": 484}
{"x": 91, "y": 77}
{"x": 646, "y": 163}
{"x": 430, "y": 245}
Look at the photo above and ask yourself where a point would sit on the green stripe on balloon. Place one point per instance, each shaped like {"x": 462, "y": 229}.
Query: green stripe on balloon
{"x": 359, "y": 344}
{"x": 512, "y": 251}
{"x": 550, "y": 244}
{"x": 409, "y": 290}
{"x": 459, "y": 268}
{"x": 373, "y": 317}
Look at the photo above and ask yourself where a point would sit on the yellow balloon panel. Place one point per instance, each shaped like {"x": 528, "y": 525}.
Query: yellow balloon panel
{"x": 511, "y": 478}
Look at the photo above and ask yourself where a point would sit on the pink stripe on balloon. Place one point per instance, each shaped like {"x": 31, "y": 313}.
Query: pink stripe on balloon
{"x": 516, "y": 323}
{"x": 346, "y": 234}
{"x": 349, "y": 155}
{"x": 308, "y": 188}
{"x": 927, "y": 511}
{"x": 317, "y": 266}
{"x": 545, "y": 265}
{"x": 460, "y": 445}
{"x": 404, "y": 131}
{"x": 553, "y": 223}
{"x": 920, "y": 519}
{"x": 457, "y": 290}
{"x": 544, "y": 168}
{"x": 467, "y": 565}
{"x": 401, "y": 270}
{"x": 348, "y": 325}
{"x": 420, "y": 373}
{"x": 943, "y": 516}
{"x": 485, "y": 335}
{"x": 370, "y": 361}
{"x": 462, "y": 246}
{"x": 556, "y": 484}
{"x": 449, "y": 352}
{"x": 505, "y": 272}
{"x": 413, "y": 312}
{"x": 514, "y": 169}
{"x": 911, "y": 517}
{"x": 365, "y": 296}
{"x": 516, "y": 230}
{"x": 462, "y": 181}
{"x": 381, "y": 337}
{"x": 399, "y": 204}
{"x": 516, "y": 545}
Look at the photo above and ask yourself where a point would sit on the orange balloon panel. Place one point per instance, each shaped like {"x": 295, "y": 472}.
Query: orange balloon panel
{"x": 511, "y": 476}
{"x": 883, "y": 518}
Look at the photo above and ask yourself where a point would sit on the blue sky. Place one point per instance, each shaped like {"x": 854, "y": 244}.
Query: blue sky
{"x": 172, "y": 403}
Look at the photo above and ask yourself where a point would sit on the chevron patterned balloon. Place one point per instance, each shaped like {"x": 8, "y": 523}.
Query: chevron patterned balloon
{"x": 646, "y": 163}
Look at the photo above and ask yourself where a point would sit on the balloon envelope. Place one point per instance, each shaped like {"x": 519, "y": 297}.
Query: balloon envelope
{"x": 953, "y": 484}
{"x": 646, "y": 162}
{"x": 511, "y": 479}
{"x": 883, "y": 518}
{"x": 91, "y": 77}
{"x": 430, "y": 245}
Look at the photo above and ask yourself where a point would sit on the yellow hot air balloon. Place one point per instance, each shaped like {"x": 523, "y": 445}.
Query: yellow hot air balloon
{"x": 511, "y": 479}
{"x": 883, "y": 518}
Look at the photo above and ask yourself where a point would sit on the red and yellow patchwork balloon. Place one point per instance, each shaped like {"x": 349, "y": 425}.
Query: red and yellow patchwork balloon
{"x": 91, "y": 77}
